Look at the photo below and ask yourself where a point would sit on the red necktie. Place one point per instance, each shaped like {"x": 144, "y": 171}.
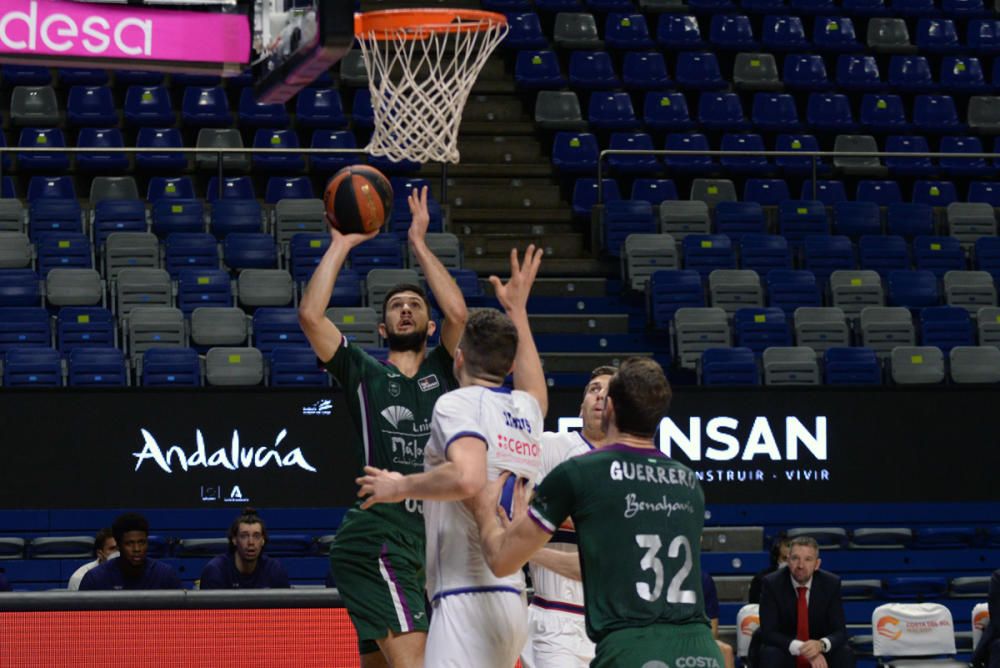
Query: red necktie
{"x": 802, "y": 625}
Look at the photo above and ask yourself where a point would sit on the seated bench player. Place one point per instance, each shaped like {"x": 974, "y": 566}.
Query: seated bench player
{"x": 132, "y": 569}
{"x": 245, "y": 566}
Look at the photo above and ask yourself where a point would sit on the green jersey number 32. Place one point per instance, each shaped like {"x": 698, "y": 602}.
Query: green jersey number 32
{"x": 652, "y": 544}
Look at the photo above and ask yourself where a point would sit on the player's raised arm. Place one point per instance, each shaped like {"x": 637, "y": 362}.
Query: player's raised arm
{"x": 323, "y": 335}
{"x": 442, "y": 285}
{"x": 513, "y": 296}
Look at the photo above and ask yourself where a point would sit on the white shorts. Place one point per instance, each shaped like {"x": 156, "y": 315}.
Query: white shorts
{"x": 484, "y": 630}
{"x": 556, "y": 639}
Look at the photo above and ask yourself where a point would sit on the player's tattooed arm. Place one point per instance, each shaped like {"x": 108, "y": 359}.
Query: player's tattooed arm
{"x": 566, "y": 564}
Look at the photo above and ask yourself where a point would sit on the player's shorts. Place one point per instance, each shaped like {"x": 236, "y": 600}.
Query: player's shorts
{"x": 659, "y": 646}
{"x": 479, "y": 629}
{"x": 380, "y": 576}
{"x": 556, "y": 639}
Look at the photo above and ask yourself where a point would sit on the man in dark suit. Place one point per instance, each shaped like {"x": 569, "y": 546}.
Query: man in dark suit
{"x": 802, "y": 621}
{"x": 988, "y": 650}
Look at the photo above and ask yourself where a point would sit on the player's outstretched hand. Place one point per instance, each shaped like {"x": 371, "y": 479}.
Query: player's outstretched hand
{"x": 351, "y": 240}
{"x": 513, "y": 295}
{"x": 379, "y": 486}
{"x": 519, "y": 504}
{"x": 421, "y": 217}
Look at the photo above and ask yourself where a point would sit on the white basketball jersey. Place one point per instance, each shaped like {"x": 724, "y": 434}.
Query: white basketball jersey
{"x": 549, "y": 585}
{"x": 510, "y": 423}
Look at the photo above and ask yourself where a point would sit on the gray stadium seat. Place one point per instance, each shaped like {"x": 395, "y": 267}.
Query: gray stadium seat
{"x": 975, "y": 364}
{"x": 16, "y": 251}
{"x": 221, "y": 138}
{"x": 234, "y": 366}
{"x": 854, "y": 290}
{"x": 733, "y": 289}
{"x": 11, "y": 547}
{"x": 988, "y": 324}
{"x": 198, "y": 547}
{"x": 829, "y": 538}
{"x": 884, "y": 328}
{"x": 219, "y": 326}
{"x": 971, "y": 290}
{"x": 265, "y": 287}
{"x": 34, "y": 105}
{"x": 558, "y": 110}
{"x": 881, "y": 538}
{"x": 733, "y": 539}
{"x": 113, "y": 187}
{"x": 292, "y": 216}
{"x": 790, "y": 366}
{"x": 984, "y": 113}
{"x": 352, "y": 69}
{"x": 359, "y": 325}
{"x": 61, "y": 547}
{"x": 154, "y": 327}
{"x": 889, "y": 35}
{"x": 141, "y": 287}
{"x": 917, "y": 365}
{"x": 380, "y": 281}
{"x": 858, "y": 166}
{"x": 821, "y": 328}
{"x": 756, "y": 71}
{"x": 74, "y": 287}
{"x": 967, "y": 221}
{"x": 11, "y": 215}
{"x": 124, "y": 250}
{"x": 679, "y": 218}
{"x": 697, "y": 330}
{"x": 576, "y": 30}
{"x": 644, "y": 254}
{"x": 713, "y": 191}
{"x": 446, "y": 247}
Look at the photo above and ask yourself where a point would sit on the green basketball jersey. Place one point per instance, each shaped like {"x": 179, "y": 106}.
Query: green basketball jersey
{"x": 639, "y": 517}
{"x": 393, "y": 416}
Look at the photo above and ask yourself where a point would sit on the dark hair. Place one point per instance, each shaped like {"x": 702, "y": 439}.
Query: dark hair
{"x": 641, "y": 395}
{"x": 804, "y": 541}
{"x": 604, "y": 370}
{"x": 101, "y": 538}
{"x": 780, "y": 541}
{"x": 405, "y": 287}
{"x": 489, "y": 344}
{"x": 128, "y": 522}
{"x": 249, "y": 516}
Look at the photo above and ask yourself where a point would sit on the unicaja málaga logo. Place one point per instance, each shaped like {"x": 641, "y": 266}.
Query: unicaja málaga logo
{"x": 235, "y": 457}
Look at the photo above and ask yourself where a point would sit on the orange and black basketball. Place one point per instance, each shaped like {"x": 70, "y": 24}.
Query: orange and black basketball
{"x": 358, "y": 199}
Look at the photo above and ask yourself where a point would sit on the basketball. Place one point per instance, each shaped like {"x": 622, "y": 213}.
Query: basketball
{"x": 358, "y": 199}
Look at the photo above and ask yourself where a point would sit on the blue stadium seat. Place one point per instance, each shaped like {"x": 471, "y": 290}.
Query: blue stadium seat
{"x": 732, "y": 31}
{"x": 54, "y": 187}
{"x": 937, "y": 36}
{"x": 185, "y": 79}
{"x": 729, "y": 366}
{"x": 525, "y": 32}
{"x": 288, "y": 187}
{"x": 699, "y": 70}
{"x": 138, "y": 78}
{"x": 711, "y": 5}
{"x": 249, "y": 250}
{"x": 748, "y": 164}
{"x": 983, "y": 36}
{"x": 962, "y": 74}
{"x": 775, "y": 112}
{"x": 984, "y": 191}
{"x": 882, "y": 193}
{"x": 79, "y": 76}
{"x": 347, "y": 291}
{"x": 763, "y": 6}
{"x": 538, "y": 70}
{"x": 611, "y": 111}
{"x": 362, "y": 112}
{"x": 203, "y": 287}
{"x": 944, "y": 537}
{"x": 177, "y": 215}
{"x": 935, "y": 193}
{"x": 938, "y": 255}
{"x": 297, "y": 367}
{"x": 689, "y": 164}
{"x": 946, "y": 327}
{"x": 171, "y": 367}
{"x": 575, "y": 153}
{"x": 654, "y": 191}
{"x": 32, "y": 367}
{"x": 24, "y": 327}
{"x": 735, "y": 219}
{"x": 160, "y": 138}
{"x": 206, "y": 107}
{"x": 666, "y": 111}
{"x": 784, "y": 33}
{"x": 105, "y": 163}
{"x": 936, "y": 113}
{"x": 858, "y": 73}
{"x": 835, "y": 34}
{"x": 883, "y": 254}
{"x": 854, "y": 219}
{"x": 382, "y": 252}
{"x": 760, "y": 328}
{"x": 670, "y": 290}
{"x": 602, "y": 6}
{"x": 96, "y": 367}
{"x": 908, "y": 166}
{"x": 287, "y": 163}
{"x": 678, "y": 31}
{"x": 592, "y": 70}
{"x": 555, "y": 6}
{"x": 805, "y": 72}
{"x": 830, "y": 112}
{"x": 911, "y": 74}
{"x": 827, "y": 191}
{"x": 190, "y": 250}
{"x": 387, "y": 166}
{"x": 170, "y": 188}
{"x": 644, "y": 70}
{"x": 705, "y": 253}
{"x": 627, "y": 31}
{"x": 987, "y": 255}
{"x": 764, "y": 253}
{"x": 913, "y": 7}
{"x": 508, "y": 5}
{"x": 798, "y": 219}
{"x": 721, "y": 111}
{"x": 585, "y": 195}
{"x": 851, "y": 366}
{"x": 807, "y": 7}
{"x": 766, "y": 192}
{"x": 632, "y": 164}
{"x": 468, "y": 282}
{"x": 328, "y": 164}
{"x": 883, "y": 113}
{"x": 91, "y": 106}
{"x": 148, "y": 106}
{"x": 625, "y": 217}
{"x": 964, "y": 8}
{"x": 121, "y": 215}
{"x": 254, "y": 114}
{"x": 54, "y": 215}
{"x": 320, "y": 108}
{"x": 235, "y": 215}
{"x": 909, "y": 220}
{"x": 964, "y": 166}
{"x": 233, "y": 187}
{"x": 305, "y": 252}
{"x": 277, "y": 327}
{"x": 789, "y": 289}
{"x": 824, "y": 254}
{"x": 912, "y": 289}
{"x": 84, "y": 327}
{"x": 25, "y": 75}
{"x": 69, "y": 250}
{"x": 54, "y": 163}
{"x": 921, "y": 587}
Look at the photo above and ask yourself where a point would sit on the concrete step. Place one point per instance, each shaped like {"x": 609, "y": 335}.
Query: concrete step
{"x": 501, "y": 195}
{"x": 464, "y": 227}
{"x": 494, "y": 108}
{"x": 499, "y": 245}
{"x": 559, "y": 268}
{"x": 500, "y": 149}
{"x": 510, "y": 170}
{"x": 583, "y": 362}
{"x": 579, "y": 324}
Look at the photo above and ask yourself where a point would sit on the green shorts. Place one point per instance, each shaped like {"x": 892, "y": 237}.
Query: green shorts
{"x": 379, "y": 572}
{"x": 659, "y": 646}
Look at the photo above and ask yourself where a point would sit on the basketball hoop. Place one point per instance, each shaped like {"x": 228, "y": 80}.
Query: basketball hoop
{"x": 421, "y": 64}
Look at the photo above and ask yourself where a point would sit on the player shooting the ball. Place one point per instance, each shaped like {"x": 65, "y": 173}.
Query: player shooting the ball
{"x": 377, "y": 558}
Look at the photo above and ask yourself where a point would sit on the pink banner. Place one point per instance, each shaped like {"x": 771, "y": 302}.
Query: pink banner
{"x": 56, "y": 28}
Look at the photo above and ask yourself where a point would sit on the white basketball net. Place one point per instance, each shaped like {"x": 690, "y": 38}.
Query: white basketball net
{"x": 419, "y": 86}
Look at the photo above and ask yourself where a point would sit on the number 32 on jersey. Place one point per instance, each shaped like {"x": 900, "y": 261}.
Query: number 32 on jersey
{"x": 652, "y": 544}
